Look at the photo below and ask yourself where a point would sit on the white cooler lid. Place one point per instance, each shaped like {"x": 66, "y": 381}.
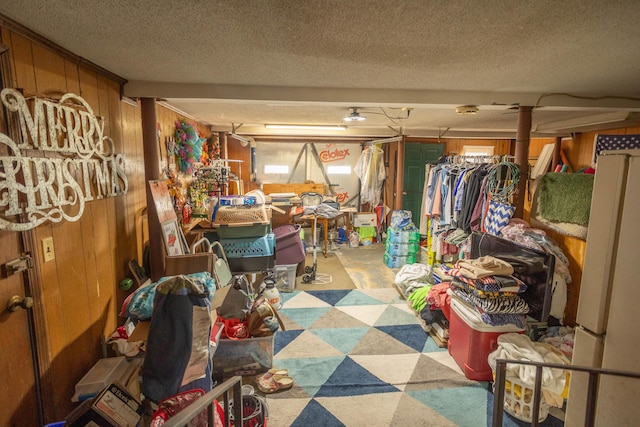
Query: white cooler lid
{"x": 473, "y": 319}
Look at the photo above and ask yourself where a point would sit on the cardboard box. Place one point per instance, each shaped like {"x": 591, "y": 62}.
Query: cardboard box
{"x": 363, "y": 219}
{"x": 113, "y": 407}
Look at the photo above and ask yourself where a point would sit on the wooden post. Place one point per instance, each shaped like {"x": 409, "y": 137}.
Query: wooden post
{"x": 152, "y": 172}
{"x": 523, "y": 137}
{"x": 399, "y": 176}
{"x": 556, "y": 153}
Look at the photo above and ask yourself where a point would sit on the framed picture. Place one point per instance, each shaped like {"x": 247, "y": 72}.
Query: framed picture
{"x": 172, "y": 237}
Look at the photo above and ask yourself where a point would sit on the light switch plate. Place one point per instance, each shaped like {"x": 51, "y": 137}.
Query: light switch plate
{"x": 47, "y": 249}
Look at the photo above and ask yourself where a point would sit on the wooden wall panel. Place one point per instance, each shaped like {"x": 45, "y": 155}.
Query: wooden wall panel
{"x": 80, "y": 298}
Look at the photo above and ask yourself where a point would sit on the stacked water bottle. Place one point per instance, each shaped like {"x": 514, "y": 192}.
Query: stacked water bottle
{"x": 402, "y": 245}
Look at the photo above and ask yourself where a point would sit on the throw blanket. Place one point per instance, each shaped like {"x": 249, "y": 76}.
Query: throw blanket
{"x": 519, "y": 347}
{"x": 562, "y": 202}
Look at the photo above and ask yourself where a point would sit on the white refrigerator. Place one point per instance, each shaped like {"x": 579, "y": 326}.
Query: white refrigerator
{"x": 608, "y": 314}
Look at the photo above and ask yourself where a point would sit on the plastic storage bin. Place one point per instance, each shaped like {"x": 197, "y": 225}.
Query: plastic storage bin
{"x": 103, "y": 373}
{"x": 518, "y": 401}
{"x": 251, "y": 253}
{"x": 243, "y": 215}
{"x": 471, "y": 340}
{"x": 249, "y": 356}
{"x": 285, "y": 277}
{"x": 289, "y": 248}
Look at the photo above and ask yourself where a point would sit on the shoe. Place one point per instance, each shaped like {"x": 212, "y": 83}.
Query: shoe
{"x": 273, "y": 372}
{"x": 273, "y": 383}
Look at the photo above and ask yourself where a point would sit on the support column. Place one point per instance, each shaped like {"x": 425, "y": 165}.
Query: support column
{"x": 399, "y": 188}
{"x": 152, "y": 172}
{"x": 556, "y": 153}
{"x": 523, "y": 137}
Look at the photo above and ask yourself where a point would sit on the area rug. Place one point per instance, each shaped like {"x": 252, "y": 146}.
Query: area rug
{"x": 361, "y": 357}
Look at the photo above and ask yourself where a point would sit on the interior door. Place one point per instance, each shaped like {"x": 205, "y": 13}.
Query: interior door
{"x": 416, "y": 156}
{"x": 19, "y": 394}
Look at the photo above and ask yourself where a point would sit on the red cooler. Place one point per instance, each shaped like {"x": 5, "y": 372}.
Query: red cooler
{"x": 471, "y": 340}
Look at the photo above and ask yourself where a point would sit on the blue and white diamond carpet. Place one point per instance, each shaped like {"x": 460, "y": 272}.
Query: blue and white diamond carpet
{"x": 361, "y": 358}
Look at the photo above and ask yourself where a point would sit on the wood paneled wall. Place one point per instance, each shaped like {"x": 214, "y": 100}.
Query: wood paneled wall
{"x": 79, "y": 288}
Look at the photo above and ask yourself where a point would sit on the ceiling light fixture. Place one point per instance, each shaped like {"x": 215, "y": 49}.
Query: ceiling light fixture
{"x": 354, "y": 116}
{"x": 467, "y": 110}
{"x": 305, "y": 127}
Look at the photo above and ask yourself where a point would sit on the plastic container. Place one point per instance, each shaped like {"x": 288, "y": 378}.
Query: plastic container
{"x": 240, "y": 230}
{"x": 518, "y": 401}
{"x": 249, "y": 356}
{"x": 249, "y": 247}
{"x": 471, "y": 340}
{"x": 242, "y": 215}
{"x": 286, "y": 277}
{"x": 289, "y": 248}
{"x": 231, "y": 200}
{"x": 103, "y": 373}
{"x": 250, "y": 254}
{"x": 272, "y": 295}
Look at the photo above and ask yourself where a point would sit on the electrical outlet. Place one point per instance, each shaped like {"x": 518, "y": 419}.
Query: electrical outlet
{"x": 47, "y": 249}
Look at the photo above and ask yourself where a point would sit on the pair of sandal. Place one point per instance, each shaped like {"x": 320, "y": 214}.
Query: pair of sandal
{"x": 274, "y": 380}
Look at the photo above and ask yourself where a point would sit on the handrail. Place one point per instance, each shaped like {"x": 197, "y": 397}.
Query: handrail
{"x": 594, "y": 379}
{"x": 183, "y": 417}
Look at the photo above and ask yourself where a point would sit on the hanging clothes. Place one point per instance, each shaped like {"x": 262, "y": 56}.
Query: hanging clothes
{"x": 370, "y": 169}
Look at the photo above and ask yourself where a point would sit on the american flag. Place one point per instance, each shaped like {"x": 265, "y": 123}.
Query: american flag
{"x": 615, "y": 142}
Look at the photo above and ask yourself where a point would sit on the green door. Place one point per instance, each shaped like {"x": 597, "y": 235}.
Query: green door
{"x": 416, "y": 155}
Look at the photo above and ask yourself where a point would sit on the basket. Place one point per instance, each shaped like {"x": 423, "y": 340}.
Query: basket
{"x": 249, "y": 247}
{"x": 242, "y": 215}
{"x": 518, "y": 401}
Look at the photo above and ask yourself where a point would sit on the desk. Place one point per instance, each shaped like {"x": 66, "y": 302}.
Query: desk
{"x": 325, "y": 225}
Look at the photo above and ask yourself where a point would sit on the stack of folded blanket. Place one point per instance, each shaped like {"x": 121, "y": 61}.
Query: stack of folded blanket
{"x": 489, "y": 285}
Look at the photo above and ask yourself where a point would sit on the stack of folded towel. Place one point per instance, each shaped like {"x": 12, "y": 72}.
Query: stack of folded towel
{"x": 489, "y": 285}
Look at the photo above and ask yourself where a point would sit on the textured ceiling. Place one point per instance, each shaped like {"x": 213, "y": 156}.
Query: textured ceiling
{"x": 406, "y": 64}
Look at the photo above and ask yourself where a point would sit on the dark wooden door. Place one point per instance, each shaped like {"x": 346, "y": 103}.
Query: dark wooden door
{"x": 416, "y": 156}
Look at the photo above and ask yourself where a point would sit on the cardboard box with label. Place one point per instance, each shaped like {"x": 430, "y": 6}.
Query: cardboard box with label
{"x": 113, "y": 407}
{"x": 363, "y": 219}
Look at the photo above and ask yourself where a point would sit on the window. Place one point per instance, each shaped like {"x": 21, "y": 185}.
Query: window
{"x": 477, "y": 150}
{"x": 339, "y": 170}
{"x": 276, "y": 169}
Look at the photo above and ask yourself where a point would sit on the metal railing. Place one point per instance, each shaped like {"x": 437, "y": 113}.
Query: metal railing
{"x": 233, "y": 385}
{"x": 592, "y": 389}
